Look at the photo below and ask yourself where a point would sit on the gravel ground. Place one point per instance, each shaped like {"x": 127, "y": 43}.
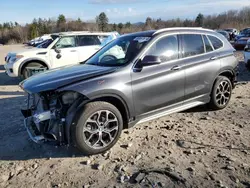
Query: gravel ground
{"x": 196, "y": 148}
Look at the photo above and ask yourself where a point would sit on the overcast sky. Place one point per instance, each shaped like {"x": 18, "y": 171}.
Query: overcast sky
{"x": 24, "y": 11}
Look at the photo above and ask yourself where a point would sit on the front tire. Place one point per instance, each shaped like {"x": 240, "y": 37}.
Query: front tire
{"x": 221, "y": 93}
{"x": 25, "y": 74}
{"x": 98, "y": 128}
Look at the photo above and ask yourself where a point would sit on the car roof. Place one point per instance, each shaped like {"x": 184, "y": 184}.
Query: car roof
{"x": 74, "y": 33}
{"x": 151, "y": 33}
{"x": 141, "y": 34}
{"x": 185, "y": 29}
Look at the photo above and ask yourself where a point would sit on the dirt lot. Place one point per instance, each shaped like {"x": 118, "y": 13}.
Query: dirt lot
{"x": 197, "y": 148}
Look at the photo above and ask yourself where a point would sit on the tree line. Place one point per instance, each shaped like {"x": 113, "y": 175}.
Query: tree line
{"x": 15, "y": 33}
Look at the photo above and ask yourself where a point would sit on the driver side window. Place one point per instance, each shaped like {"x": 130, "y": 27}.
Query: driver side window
{"x": 165, "y": 48}
{"x": 66, "y": 42}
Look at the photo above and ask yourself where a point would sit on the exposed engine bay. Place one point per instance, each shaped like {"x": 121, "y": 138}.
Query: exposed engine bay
{"x": 48, "y": 114}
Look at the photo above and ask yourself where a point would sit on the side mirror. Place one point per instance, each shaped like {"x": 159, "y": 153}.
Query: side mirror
{"x": 150, "y": 60}
{"x": 57, "y": 51}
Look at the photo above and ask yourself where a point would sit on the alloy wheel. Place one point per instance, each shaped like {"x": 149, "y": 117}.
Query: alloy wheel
{"x": 223, "y": 93}
{"x": 100, "y": 129}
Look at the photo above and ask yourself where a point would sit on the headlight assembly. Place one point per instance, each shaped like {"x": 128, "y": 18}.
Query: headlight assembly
{"x": 16, "y": 58}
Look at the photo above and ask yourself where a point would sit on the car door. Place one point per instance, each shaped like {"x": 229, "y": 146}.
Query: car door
{"x": 64, "y": 52}
{"x": 87, "y": 45}
{"x": 201, "y": 63}
{"x": 159, "y": 86}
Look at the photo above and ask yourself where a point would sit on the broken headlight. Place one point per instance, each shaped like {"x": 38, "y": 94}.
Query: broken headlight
{"x": 69, "y": 97}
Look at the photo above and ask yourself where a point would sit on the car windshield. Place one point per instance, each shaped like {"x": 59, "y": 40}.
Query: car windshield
{"x": 45, "y": 44}
{"x": 229, "y": 30}
{"x": 119, "y": 52}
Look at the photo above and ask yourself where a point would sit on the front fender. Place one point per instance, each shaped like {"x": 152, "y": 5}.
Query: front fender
{"x": 106, "y": 86}
{"x": 72, "y": 115}
{"x": 74, "y": 112}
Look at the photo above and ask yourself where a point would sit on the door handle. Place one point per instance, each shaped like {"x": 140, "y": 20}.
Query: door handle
{"x": 213, "y": 58}
{"x": 175, "y": 68}
{"x": 73, "y": 51}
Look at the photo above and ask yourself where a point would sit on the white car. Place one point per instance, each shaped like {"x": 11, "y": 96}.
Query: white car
{"x": 39, "y": 40}
{"x": 247, "y": 54}
{"x": 62, "y": 49}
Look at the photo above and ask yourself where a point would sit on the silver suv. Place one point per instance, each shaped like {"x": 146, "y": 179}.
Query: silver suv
{"x": 134, "y": 79}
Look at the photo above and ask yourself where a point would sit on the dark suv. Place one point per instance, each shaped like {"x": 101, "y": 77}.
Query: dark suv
{"x": 134, "y": 79}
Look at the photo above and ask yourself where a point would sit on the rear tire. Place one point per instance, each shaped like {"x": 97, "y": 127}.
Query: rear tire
{"x": 98, "y": 128}
{"x": 221, "y": 93}
{"x": 25, "y": 74}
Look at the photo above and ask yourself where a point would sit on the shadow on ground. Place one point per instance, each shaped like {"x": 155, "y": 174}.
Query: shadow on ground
{"x": 1, "y": 67}
{"x": 14, "y": 141}
{"x": 6, "y": 80}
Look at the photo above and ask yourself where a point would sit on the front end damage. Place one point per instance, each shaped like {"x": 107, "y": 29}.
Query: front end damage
{"x": 49, "y": 115}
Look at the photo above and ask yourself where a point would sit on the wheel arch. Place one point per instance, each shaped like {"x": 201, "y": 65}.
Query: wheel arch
{"x": 76, "y": 109}
{"x": 213, "y": 94}
{"x": 26, "y": 62}
{"x": 229, "y": 74}
{"x": 119, "y": 103}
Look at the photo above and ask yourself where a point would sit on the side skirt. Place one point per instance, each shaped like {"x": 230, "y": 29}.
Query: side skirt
{"x": 170, "y": 111}
{"x": 179, "y": 107}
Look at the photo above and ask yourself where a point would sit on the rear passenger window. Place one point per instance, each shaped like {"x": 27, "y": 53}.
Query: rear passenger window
{"x": 166, "y": 48}
{"x": 192, "y": 45}
{"x": 86, "y": 40}
{"x": 208, "y": 46}
{"x": 217, "y": 43}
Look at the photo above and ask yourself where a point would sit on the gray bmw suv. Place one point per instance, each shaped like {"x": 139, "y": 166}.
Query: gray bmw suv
{"x": 135, "y": 78}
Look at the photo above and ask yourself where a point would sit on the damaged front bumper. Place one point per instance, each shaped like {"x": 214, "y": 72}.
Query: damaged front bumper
{"x": 43, "y": 120}
{"x": 34, "y": 136}
{"x": 49, "y": 116}
{"x": 44, "y": 126}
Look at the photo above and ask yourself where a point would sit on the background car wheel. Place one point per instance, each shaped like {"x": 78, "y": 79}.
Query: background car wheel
{"x": 221, "y": 93}
{"x": 98, "y": 128}
{"x": 25, "y": 73}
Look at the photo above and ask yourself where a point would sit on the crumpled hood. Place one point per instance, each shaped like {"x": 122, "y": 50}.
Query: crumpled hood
{"x": 54, "y": 79}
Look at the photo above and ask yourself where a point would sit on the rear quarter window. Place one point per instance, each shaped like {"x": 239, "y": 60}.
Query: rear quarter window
{"x": 217, "y": 43}
{"x": 208, "y": 46}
